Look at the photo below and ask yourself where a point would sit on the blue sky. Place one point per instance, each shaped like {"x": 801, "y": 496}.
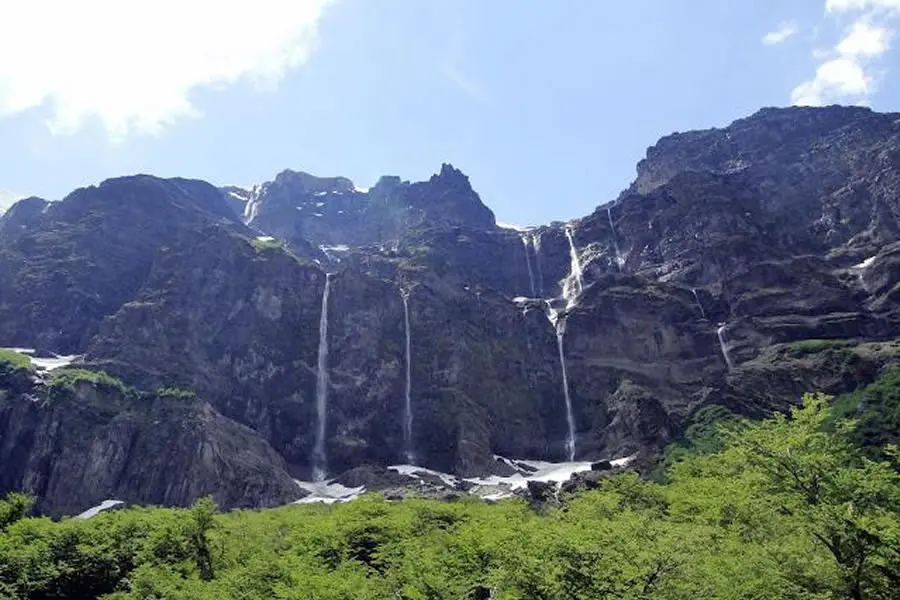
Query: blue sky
{"x": 547, "y": 106}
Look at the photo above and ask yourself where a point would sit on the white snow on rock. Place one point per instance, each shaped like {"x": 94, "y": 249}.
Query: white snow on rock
{"x": 417, "y": 472}
{"x": 46, "y": 363}
{"x": 96, "y": 510}
{"x": 519, "y": 228}
{"x": 49, "y": 364}
{"x": 265, "y": 238}
{"x": 496, "y": 487}
{"x": 866, "y": 263}
{"x": 327, "y": 492}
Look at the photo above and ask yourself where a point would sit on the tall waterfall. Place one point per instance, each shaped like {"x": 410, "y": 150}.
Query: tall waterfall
{"x": 699, "y": 304}
{"x": 536, "y": 244}
{"x": 559, "y": 323}
{"x": 720, "y": 333}
{"x": 408, "y": 417}
{"x": 320, "y": 457}
{"x": 620, "y": 261}
{"x": 573, "y": 285}
{"x": 525, "y": 239}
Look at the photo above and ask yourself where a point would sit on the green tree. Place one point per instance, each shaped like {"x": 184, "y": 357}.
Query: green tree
{"x": 203, "y": 514}
{"x": 14, "y": 507}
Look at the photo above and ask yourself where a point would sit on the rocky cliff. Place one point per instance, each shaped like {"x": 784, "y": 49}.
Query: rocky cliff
{"x": 743, "y": 265}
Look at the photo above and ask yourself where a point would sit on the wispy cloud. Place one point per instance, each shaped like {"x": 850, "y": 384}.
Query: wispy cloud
{"x": 454, "y": 72}
{"x": 133, "y": 65}
{"x": 465, "y": 84}
{"x": 846, "y": 72}
{"x": 784, "y": 31}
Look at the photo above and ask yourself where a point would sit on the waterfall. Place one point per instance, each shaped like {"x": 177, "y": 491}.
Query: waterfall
{"x": 320, "y": 458}
{"x": 720, "y": 332}
{"x": 573, "y": 285}
{"x": 699, "y": 304}
{"x": 559, "y": 323}
{"x": 619, "y": 260}
{"x": 408, "y": 417}
{"x": 536, "y": 244}
{"x": 525, "y": 238}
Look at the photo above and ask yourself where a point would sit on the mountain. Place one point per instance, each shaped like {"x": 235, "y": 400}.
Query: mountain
{"x": 744, "y": 266}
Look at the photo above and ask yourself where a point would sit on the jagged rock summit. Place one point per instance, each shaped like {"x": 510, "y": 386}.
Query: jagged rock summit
{"x": 742, "y": 267}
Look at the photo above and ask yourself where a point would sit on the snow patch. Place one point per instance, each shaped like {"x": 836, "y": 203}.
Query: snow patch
{"x": 318, "y": 214}
{"x": 320, "y": 204}
{"x": 96, "y": 510}
{"x": 416, "y": 471}
{"x": 320, "y": 194}
{"x": 47, "y": 363}
{"x": 56, "y": 362}
{"x": 519, "y": 228}
{"x": 327, "y": 492}
{"x": 265, "y": 238}
{"x": 361, "y": 190}
{"x": 866, "y": 263}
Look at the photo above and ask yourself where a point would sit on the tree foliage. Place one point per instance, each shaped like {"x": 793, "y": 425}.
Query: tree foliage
{"x": 789, "y": 508}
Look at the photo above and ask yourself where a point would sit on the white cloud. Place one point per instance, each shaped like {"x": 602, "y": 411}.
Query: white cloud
{"x": 7, "y": 199}
{"x": 861, "y": 5}
{"x": 840, "y": 79}
{"x": 845, "y": 75}
{"x": 782, "y": 33}
{"x": 864, "y": 40}
{"x": 133, "y": 65}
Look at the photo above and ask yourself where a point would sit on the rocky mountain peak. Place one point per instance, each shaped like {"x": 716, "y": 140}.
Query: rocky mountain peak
{"x": 823, "y": 140}
{"x": 21, "y": 215}
{"x": 301, "y": 182}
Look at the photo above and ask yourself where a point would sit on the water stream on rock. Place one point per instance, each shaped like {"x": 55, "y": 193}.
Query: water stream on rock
{"x": 720, "y": 332}
{"x": 525, "y": 240}
{"x": 573, "y": 285}
{"x": 408, "y": 417}
{"x": 620, "y": 262}
{"x": 536, "y": 244}
{"x": 559, "y": 323}
{"x": 699, "y": 304}
{"x": 320, "y": 458}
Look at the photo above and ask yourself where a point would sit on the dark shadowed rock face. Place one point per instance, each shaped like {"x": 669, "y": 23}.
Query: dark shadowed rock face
{"x": 767, "y": 241}
{"x": 82, "y": 258}
{"x": 75, "y": 446}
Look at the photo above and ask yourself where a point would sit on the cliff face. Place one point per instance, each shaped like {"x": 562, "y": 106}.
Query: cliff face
{"x": 77, "y": 444}
{"x": 738, "y": 245}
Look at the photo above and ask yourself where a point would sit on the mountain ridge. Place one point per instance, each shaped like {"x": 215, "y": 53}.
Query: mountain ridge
{"x": 673, "y": 297}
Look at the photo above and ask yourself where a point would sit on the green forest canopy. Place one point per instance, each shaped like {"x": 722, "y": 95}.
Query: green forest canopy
{"x": 801, "y": 506}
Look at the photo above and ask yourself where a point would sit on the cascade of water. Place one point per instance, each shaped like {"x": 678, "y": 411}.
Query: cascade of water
{"x": 320, "y": 458}
{"x": 573, "y": 285}
{"x": 408, "y": 420}
{"x": 559, "y": 323}
{"x": 536, "y": 244}
{"x": 720, "y": 332}
{"x": 525, "y": 239}
{"x": 620, "y": 261}
{"x": 699, "y": 304}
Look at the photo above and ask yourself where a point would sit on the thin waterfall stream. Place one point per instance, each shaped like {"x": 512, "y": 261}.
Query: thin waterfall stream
{"x": 408, "y": 416}
{"x": 320, "y": 456}
{"x": 720, "y": 333}
{"x": 559, "y": 323}
{"x": 620, "y": 261}
{"x": 525, "y": 240}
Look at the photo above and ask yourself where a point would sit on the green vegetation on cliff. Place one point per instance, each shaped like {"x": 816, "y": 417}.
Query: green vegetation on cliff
{"x": 787, "y": 508}
{"x": 13, "y": 361}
